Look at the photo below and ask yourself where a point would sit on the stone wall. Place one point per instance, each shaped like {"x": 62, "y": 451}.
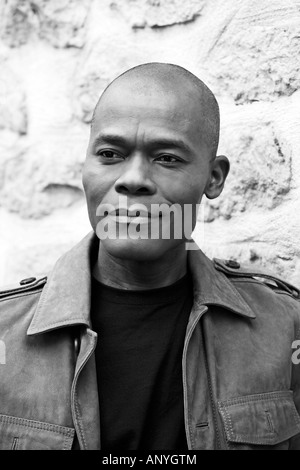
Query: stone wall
{"x": 56, "y": 56}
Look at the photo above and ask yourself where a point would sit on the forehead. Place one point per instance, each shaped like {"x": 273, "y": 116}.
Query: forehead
{"x": 150, "y": 108}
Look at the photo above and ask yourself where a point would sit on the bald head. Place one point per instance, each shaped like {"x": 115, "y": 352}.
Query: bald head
{"x": 161, "y": 78}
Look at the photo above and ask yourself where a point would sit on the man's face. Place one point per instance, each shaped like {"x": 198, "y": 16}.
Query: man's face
{"x": 148, "y": 146}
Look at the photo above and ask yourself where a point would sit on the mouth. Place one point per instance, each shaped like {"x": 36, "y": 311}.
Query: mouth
{"x": 126, "y": 216}
{"x": 129, "y": 213}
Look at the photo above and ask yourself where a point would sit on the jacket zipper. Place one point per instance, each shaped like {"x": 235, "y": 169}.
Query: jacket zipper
{"x": 214, "y": 411}
{"x": 185, "y": 397}
{"x": 73, "y": 395}
{"x": 211, "y": 395}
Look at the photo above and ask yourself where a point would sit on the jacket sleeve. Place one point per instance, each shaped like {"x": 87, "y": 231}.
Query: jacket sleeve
{"x": 295, "y": 383}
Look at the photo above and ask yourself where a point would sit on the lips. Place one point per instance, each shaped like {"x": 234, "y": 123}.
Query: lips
{"x": 129, "y": 213}
{"x": 123, "y": 215}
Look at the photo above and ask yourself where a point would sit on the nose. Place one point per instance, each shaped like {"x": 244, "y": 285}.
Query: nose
{"x": 135, "y": 178}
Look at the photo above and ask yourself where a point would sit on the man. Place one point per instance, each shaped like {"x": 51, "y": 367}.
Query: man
{"x": 137, "y": 342}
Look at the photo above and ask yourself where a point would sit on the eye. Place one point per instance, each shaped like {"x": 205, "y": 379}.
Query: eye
{"x": 167, "y": 159}
{"x": 109, "y": 155}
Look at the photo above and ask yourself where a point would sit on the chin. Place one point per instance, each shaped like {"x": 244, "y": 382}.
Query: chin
{"x": 139, "y": 250}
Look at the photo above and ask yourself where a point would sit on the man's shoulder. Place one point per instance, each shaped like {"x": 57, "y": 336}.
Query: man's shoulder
{"x": 250, "y": 277}
{"x": 24, "y": 287}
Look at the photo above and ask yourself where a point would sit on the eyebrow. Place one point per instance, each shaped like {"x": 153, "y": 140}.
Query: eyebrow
{"x": 115, "y": 139}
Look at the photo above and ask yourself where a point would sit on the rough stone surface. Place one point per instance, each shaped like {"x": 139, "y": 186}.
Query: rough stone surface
{"x": 260, "y": 175}
{"x": 264, "y": 60}
{"x": 158, "y": 13}
{"x": 61, "y": 22}
{"x": 38, "y": 180}
{"x": 31, "y": 247}
{"x": 56, "y": 57}
{"x": 13, "y": 109}
{"x": 16, "y": 22}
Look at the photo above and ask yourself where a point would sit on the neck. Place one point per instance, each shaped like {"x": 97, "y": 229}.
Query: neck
{"x": 140, "y": 275}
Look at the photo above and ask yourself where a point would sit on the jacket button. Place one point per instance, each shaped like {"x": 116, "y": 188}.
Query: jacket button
{"x": 232, "y": 264}
{"x": 27, "y": 281}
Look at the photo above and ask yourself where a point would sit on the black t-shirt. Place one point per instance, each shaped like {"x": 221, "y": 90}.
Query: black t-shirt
{"x": 139, "y": 365}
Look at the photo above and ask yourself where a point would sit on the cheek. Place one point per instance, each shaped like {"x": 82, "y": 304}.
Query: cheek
{"x": 95, "y": 187}
{"x": 95, "y": 184}
{"x": 186, "y": 191}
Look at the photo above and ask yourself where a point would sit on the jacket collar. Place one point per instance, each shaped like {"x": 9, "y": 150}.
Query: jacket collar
{"x": 212, "y": 287}
{"x": 66, "y": 297}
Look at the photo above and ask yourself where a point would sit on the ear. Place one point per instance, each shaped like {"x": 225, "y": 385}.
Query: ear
{"x": 218, "y": 173}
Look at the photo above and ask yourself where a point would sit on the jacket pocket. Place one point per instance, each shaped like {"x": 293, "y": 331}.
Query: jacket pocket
{"x": 265, "y": 419}
{"x": 26, "y": 434}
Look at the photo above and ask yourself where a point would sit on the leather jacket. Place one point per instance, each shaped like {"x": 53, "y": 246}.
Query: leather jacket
{"x": 241, "y": 387}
